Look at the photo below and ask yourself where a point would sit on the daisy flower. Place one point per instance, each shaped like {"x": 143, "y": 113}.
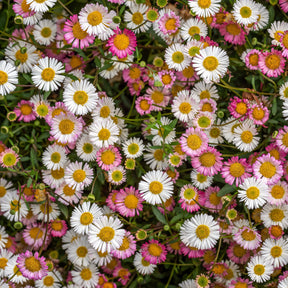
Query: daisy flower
{"x": 32, "y": 266}
{"x": 106, "y": 234}
{"x": 211, "y": 63}
{"x": 142, "y": 266}
{"x": 8, "y": 158}
{"x": 189, "y": 198}
{"x": 85, "y": 149}
{"x": 24, "y": 111}
{"x": 253, "y": 192}
{"x": 54, "y": 157}
{"x": 276, "y": 30}
{"x": 282, "y": 139}
{"x": 191, "y": 27}
{"x": 13, "y": 270}
{"x": 133, "y": 148}
{"x": 68, "y": 194}
{"x": 108, "y": 158}
{"x": 190, "y": 283}
{"x": 3, "y": 238}
{"x": 53, "y": 178}
{"x": 66, "y": 128}
{"x": 245, "y": 12}
{"x": 117, "y": 175}
{"x": 259, "y": 114}
{"x": 248, "y": 238}
{"x": 251, "y": 59}
{"x": 85, "y": 276}
{"x": 43, "y": 210}
{"x": 284, "y": 282}
{"x": 155, "y": 159}
{"x": 33, "y": 235}
{"x": 161, "y": 134}
{"x": 154, "y": 252}
{"x": 53, "y": 279}
{"x": 75, "y": 35}
{"x": 268, "y": 169}
{"x": 262, "y": 18}
{"x": 58, "y": 228}
{"x": 83, "y": 216}
{"x": 8, "y": 77}
{"x": 259, "y": 269}
{"x": 127, "y": 248}
{"x": 80, "y": 97}
{"x": 46, "y": 75}
{"x": 278, "y": 193}
{"x": 212, "y": 200}
{"x": 284, "y": 6}
{"x": 191, "y": 49}
{"x": 203, "y": 120}
{"x": 199, "y": 180}
{"x": 168, "y": 22}
{"x": 156, "y": 186}
{"x": 143, "y": 105}
{"x": 275, "y": 215}
{"x": 5, "y": 256}
{"x": 272, "y": 63}
{"x": 238, "y": 254}
{"x": 122, "y": 43}
{"x": 41, "y": 6}
{"x": 203, "y": 8}
{"x": 276, "y": 232}
{"x": 45, "y": 32}
{"x": 205, "y": 90}
{"x": 175, "y": 57}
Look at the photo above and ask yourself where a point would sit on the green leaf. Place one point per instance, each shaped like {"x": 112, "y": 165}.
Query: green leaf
{"x": 64, "y": 209}
{"x": 100, "y": 175}
{"x": 160, "y": 217}
{"x": 29, "y": 182}
{"x": 71, "y": 76}
{"x": 176, "y": 218}
{"x": 122, "y": 10}
{"x": 33, "y": 156}
{"x": 27, "y": 78}
{"x": 226, "y": 189}
{"x": 97, "y": 62}
{"x": 274, "y": 107}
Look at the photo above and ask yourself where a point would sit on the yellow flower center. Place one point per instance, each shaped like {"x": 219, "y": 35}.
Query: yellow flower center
{"x": 252, "y": 192}
{"x": 80, "y": 97}
{"x": 46, "y": 32}
{"x": 86, "y": 274}
{"x": 32, "y": 264}
{"x": 253, "y": 59}
{"x": 86, "y": 218}
{"x": 117, "y": 175}
{"x": 246, "y": 137}
{"x": 277, "y": 192}
{"x": 155, "y": 250}
{"x": 204, "y": 4}
{"x": 155, "y": 187}
{"x": 201, "y": 178}
{"x": 9, "y": 159}
{"x": 185, "y": 107}
{"x": 193, "y": 30}
{"x": 241, "y": 108}
{"x": 66, "y": 126}
{"x": 125, "y": 244}
{"x": 121, "y": 41}
{"x": 42, "y": 110}
{"x": 202, "y": 231}
{"x": 207, "y": 159}
{"x": 57, "y": 225}
{"x": 104, "y": 134}
{"x": 40, "y": 1}
{"x": 158, "y": 155}
{"x": 276, "y": 231}
{"x": 26, "y": 109}
{"x": 94, "y": 18}
{"x": 215, "y": 132}
{"x": 21, "y": 57}
{"x": 177, "y": 57}
{"x": 278, "y": 34}
{"x": 285, "y": 140}
{"x": 133, "y": 148}
{"x": 3, "y": 77}
{"x": 2, "y": 191}
{"x": 57, "y": 174}
{"x": 285, "y": 41}
{"x": 79, "y": 175}
{"x": 25, "y": 7}
{"x": 55, "y": 157}
{"x": 77, "y": 31}
{"x": 245, "y": 12}
{"x": 276, "y": 215}
{"x": 204, "y": 122}
{"x": 259, "y": 269}
{"x": 144, "y": 105}
{"x": 248, "y": 235}
{"x": 166, "y": 79}
{"x": 68, "y": 191}
{"x": 57, "y": 112}
{"x": 276, "y": 251}
{"x": 238, "y": 251}
{"x": 267, "y": 169}
{"x": 108, "y": 157}
{"x": 258, "y": 113}
{"x": 192, "y": 52}
{"x": 45, "y": 208}
{"x": 104, "y": 112}
{"x": 15, "y": 205}
{"x": 189, "y": 193}
{"x": 170, "y": 24}
{"x": 233, "y": 29}
{"x": 214, "y": 199}
{"x": 194, "y": 142}
{"x": 106, "y": 234}
{"x": 81, "y": 251}
{"x": 210, "y": 63}
{"x": 87, "y": 148}
{"x": 137, "y": 18}
{"x": 48, "y": 74}
{"x": 145, "y": 263}
{"x": 3, "y": 263}
{"x": 35, "y": 233}
{"x": 188, "y": 72}
{"x": 272, "y": 62}
{"x": 131, "y": 201}
{"x": 75, "y": 61}
{"x": 134, "y": 73}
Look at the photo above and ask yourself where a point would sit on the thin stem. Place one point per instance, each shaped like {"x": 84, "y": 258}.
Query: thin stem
{"x": 65, "y": 7}
{"x": 170, "y": 277}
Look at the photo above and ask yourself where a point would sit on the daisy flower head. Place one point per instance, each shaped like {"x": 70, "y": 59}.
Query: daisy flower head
{"x": 144, "y": 105}
{"x": 80, "y": 97}
{"x": 33, "y": 235}
{"x": 259, "y": 114}
{"x": 199, "y": 180}
{"x": 106, "y": 234}
{"x": 142, "y": 266}
{"x": 122, "y": 43}
{"x": 284, "y": 6}
{"x": 45, "y": 210}
{"x": 262, "y": 19}
{"x": 253, "y": 192}
{"x": 268, "y": 169}
{"x": 175, "y": 57}
{"x": 52, "y": 279}
{"x": 282, "y": 139}
{"x": 193, "y": 142}
{"x": 66, "y": 128}
{"x": 189, "y": 283}
{"x": 189, "y": 198}
{"x": 8, "y": 77}
{"x": 155, "y": 158}
{"x": 85, "y": 149}
{"x": 276, "y": 30}
{"x": 24, "y": 111}
{"x": 85, "y": 276}
{"x": 211, "y": 63}
{"x": 32, "y": 266}
{"x": 238, "y": 254}
{"x": 41, "y": 6}
{"x": 203, "y": 120}
{"x": 83, "y": 216}
{"x": 251, "y": 59}
{"x": 5, "y": 256}
{"x": 47, "y": 74}
{"x": 156, "y": 186}
{"x": 233, "y": 33}
{"x": 248, "y": 238}
{"x": 278, "y": 193}
{"x": 54, "y": 157}
{"x": 45, "y": 32}
{"x": 205, "y": 90}
{"x": 13, "y": 270}
{"x": 204, "y": 8}
{"x": 127, "y": 248}
{"x": 283, "y": 91}
{"x": 192, "y": 27}
{"x": 259, "y": 269}
{"x": 168, "y": 22}
{"x": 272, "y": 63}
{"x": 212, "y": 200}
{"x": 200, "y": 231}
{"x": 58, "y": 228}
{"x": 133, "y": 148}
{"x": 245, "y": 12}
{"x": 154, "y": 252}
{"x": 108, "y": 158}
{"x": 275, "y": 215}
{"x": 8, "y": 158}
{"x": 53, "y": 177}
{"x": 159, "y": 132}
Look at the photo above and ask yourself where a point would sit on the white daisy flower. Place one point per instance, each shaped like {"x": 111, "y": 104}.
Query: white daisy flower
{"x": 78, "y": 176}
{"x": 5, "y": 256}
{"x": 77, "y": 73}
{"x": 205, "y": 90}
{"x": 83, "y": 216}
{"x": 276, "y": 251}
{"x": 85, "y": 276}
{"x": 53, "y": 178}
{"x": 80, "y": 97}
{"x": 8, "y": 77}
{"x": 69, "y": 238}
{"x": 276, "y": 30}
{"x": 189, "y": 283}
{"x": 33, "y": 19}
{"x": 192, "y": 27}
{"x": 200, "y": 231}
{"x": 52, "y": 280}
{"x": 42, "y": 211}
{"x": 117, "y": 175}
{"x": 46, "y": 75}
{"x": 215, "y": 134}
{"x": 199, "y": 180}
{"x": 103, "y": 132}
{"x": 100, "y": 259}
{"x": 156, "y": 187}
{"x": 278, "y": 193}
{"x": 85, "y": 149}
{"x": 283, "y": 283}
{"x": 204, "y": 8}
{"x": 41, "y": 106}
{"x": 27, "y": 59}
{"x": 142, "y": 266}
{"x": 122, "y": 63}
{"x": 45, "y": 32}
{"x": 245, "y": 138}
{"x": 155, "y": 159}
{"x": 12, "y": 270}
{"x": 3, "y": 238}
{"x": 185, "y": 105}
{"x": 283, "y": 91}
{"x": 133, "y": 148}
{"x": 245, "y": 12}
{"x": 110, "y": 72}
{"x": 176, "y": 58}
{"x": 5, "y": 187}
{"x": 105, "y": 108}
{"x": 275, "y": 215}
{"x": 106, "y": 234}
{"x": 259, "y": 269}
{"x": 68, "y": 195}
{"x": 191, "y": 49}
{"x": 229, "y": 127}
{"x": 253, "y": 192}
{"x": 211, "y": 63}
{"x": 54, "y": 157}
{"x": 262, "y": 17}
{"x": 136, "y": 19}
{"x": 41, "y": 6}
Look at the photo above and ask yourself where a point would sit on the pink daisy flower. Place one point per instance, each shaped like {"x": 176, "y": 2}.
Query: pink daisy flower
{"x": 236, "y": 169}
{"x": 154, "y": 252}
{"x": 212, "y": 201}
{"x": 252, "y": 59}
{"x": 127, "y": 248}
{"x": 233, "y": 33}
{"x": 33, "y": 236}
{"x": 123, "y": 273}
{"x": 241, "y": 282}
{"x": 111, "y": 200}
{"x": 284, "y": 5}
{"x": 135, "y": 87}
{"x": 276, "y": 232}
{"x": 167, "y": 78}
{"x": 189, "y": 198}
{"x": 75, "y": 35}
{"x": 275, "y": 152}
{"x": 74, "y": 61}
{"x": 108, "y": 157}
{"x": 160, "y": 97}
{"x": 259, "y": 114}
{"x": 278, "y": 193}
{"x": 193, "y": 141}
{"x": 272, "y": 63}
{"x": 32, "y": 266}
{"x": 21, "y": 7}
{"x": 122, "y": 43}
{"x": 169, "y": 23}
{"x": 190, "y": 251}
{"x": 224, "y": 226}
{"x": 188, "y": 75}
{"x": 129, "y": 202}
{"x": 8, "y": 158}
{"x": 208, "y": 105}
{"x": 209, "y": 162}
{"x": 169, "y": 205}
{"x": 58, "y": 228}
{"x": 239, "y": 107}
{"x": 174, "y": 248}
{"x": 144, "y": 105}
{"x": 24, "y": 111}
{"x": 268, "y": 168}
{"x": 133, "y": 73}
{"x": 248, "y": 238}
{"x": 282, "y": 139}
{"x": 219, "y": 18}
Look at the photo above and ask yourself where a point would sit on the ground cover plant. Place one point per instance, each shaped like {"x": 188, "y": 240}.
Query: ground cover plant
{"x": 143, "y": 143}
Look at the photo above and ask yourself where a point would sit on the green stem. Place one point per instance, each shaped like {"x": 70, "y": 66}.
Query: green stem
{"x": 132, "y": 107}
{"x": 170, "y": 277}
{"x": 123, "y": 90}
